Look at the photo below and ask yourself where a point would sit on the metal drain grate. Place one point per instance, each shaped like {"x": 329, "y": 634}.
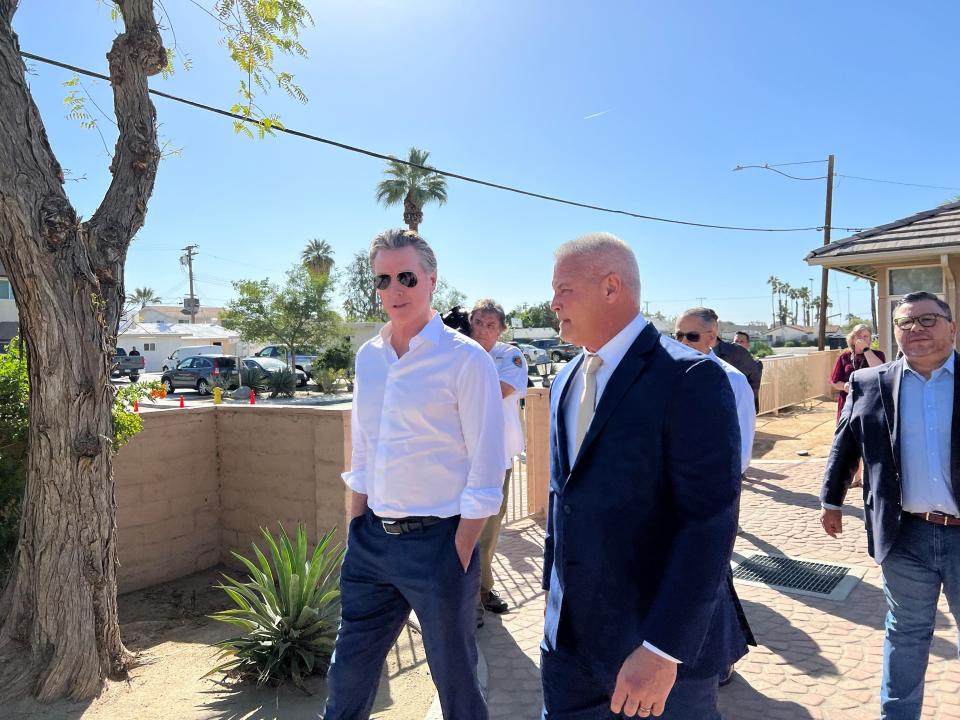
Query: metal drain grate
{"x": 791, "y": 574}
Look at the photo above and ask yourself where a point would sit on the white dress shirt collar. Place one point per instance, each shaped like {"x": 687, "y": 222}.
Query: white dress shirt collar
{"x": 430, "y": 333}
{"x": 616, "y": 347}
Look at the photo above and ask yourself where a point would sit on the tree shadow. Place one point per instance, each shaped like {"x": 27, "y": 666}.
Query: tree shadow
{"x": 741, "y": 701}
{"x": 514, "y": 689}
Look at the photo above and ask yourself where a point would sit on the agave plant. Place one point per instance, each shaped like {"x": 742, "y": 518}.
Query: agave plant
{"x": 290, "y": 610}
{"x": 282, "y": 382}
{"x": 254, "y": 379}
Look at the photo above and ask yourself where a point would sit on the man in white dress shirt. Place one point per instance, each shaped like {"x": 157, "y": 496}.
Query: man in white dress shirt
{"x": 697, "y": 328}
{"x": 426, "y": 473}
{"x": 487, "y": 323}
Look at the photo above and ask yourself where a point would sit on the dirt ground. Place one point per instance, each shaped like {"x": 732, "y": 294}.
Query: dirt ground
{"x": 800, "y": 432}
{"x": 168, "y": 627}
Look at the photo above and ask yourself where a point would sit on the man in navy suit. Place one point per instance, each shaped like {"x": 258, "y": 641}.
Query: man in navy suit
{"x": 903, "y": 419}
{"x": 644, "y": 494}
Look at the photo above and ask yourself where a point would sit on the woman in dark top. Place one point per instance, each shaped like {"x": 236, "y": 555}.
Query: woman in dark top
{"x": 858, "y": 356}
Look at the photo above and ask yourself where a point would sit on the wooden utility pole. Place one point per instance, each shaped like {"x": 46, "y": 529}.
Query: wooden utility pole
{"x": 827, "y": 220}
{"x": 190, "y": 250}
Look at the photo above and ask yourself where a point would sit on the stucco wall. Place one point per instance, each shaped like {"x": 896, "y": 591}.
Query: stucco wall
{"x": 198, "y": 483}
{"x": 168, "y": 498}
{"x": 280, "y": 465}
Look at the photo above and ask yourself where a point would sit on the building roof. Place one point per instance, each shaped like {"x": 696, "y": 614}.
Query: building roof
{"x": 192, "y": 331}
{"x": 930, "y": 231}
{"x": 808, "y": 329}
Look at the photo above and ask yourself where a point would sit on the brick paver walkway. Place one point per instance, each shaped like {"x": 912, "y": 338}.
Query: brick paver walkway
{"x": 818, "y": 659}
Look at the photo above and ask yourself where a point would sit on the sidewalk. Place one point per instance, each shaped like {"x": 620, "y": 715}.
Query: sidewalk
{"x": 818, "y": 659}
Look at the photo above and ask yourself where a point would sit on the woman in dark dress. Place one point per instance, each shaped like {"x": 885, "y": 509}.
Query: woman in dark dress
{"x": 858, "y": 356}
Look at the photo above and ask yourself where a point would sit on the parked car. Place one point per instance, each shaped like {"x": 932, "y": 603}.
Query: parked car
{"x": 302, "y": 361}
{"x": 201, "y": 373}
{"x": 269, "y": 366}
{"x": 190, "y": 351}
{"x": 127, "y": 365}
{"x": 558, "y": 350}
{"x": 534, "y": 355}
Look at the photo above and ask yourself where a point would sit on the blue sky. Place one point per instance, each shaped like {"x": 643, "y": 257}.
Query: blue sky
{"x": 501, "y": 90}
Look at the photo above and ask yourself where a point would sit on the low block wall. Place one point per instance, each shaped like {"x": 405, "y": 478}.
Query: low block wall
{"x": 198, "y": 483}
{"x": 168, "y": 499}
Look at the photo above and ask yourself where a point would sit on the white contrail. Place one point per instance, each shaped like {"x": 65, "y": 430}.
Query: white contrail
{"x": 598, "y": 114}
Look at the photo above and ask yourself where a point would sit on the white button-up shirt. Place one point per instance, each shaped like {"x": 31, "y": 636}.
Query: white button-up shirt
{"x": 427, "y": 428}
{"x": 746, "y": 412}
{"x": 512, "y": 370}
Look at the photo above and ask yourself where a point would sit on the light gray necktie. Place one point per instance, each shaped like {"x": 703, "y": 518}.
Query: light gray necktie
{"x": 588, "y": 399}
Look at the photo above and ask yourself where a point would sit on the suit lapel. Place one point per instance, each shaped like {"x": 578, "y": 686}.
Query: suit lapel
{"x": 955, "y": 433}
{"x": 561, "y": 421}
{"x": 623, "y": 377}
{"x": 889, "y": 379}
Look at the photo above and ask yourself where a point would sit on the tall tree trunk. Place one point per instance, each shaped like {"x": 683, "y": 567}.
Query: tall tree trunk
{"x": 60, "y": 634}
{"x": 412, "y": 214}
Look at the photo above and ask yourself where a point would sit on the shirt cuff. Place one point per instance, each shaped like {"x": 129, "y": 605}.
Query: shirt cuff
{"x": 476, "y": 503}
{"x": 661, "y": 653}
{"x": 828, "y": 506}
{"x": 355, "y": 481}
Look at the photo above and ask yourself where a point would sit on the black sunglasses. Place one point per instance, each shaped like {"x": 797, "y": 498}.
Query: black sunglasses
{"x": 691, "y": 336}
{"x": 927, "y": 321}
{"x": 407, "y": 278}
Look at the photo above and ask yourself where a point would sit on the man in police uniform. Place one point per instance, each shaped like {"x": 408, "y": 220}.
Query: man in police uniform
{"x": 487, "y": 322}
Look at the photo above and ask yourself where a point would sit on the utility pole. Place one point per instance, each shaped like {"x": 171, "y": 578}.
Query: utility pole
{"x": 190, "y": 251}
{"x": 646, "y": 307}
{"x": 827, "y": 220}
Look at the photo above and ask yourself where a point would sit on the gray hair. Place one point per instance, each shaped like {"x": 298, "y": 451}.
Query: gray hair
{"x": 856, "y": 330}
{"x": 920, "y": 295}
{"x": 396, "y": 238}
{"x": 605, "y": 253}
{"x": 704, "y": 314}
{"x": 488, "y": 305}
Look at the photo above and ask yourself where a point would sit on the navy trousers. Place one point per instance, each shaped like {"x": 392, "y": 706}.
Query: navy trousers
{"x": 382, "y": 578}
{"x": 576, "y": 690}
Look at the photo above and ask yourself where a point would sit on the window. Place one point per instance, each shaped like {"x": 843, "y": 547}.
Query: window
{"x": 903, "y": 281}
{"x": 908, "y": 280}
{"x": 6, "y": 293}
{"x": 149, "y": 347}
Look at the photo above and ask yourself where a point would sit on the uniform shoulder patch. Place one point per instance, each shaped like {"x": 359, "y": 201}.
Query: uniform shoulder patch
{"x": 517, "y": 361}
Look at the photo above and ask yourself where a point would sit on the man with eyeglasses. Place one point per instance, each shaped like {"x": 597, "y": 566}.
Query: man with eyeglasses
{"x": 426, "y": 472}
{"x": 903, "y": 419}
{"x": 487, "y": 323}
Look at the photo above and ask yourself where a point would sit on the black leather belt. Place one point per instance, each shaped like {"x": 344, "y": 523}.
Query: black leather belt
{"x": 404, "y": 525}
{"x": 937, "y": 518}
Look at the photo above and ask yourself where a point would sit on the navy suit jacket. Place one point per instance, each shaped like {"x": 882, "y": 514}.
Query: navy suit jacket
{"x": 641, "y": 528}
{"x": 869, "y": 428}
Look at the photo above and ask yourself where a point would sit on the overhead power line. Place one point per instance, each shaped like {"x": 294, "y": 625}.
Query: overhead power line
{"x": 445, "y": 173}
{"x": 896, "y": 182}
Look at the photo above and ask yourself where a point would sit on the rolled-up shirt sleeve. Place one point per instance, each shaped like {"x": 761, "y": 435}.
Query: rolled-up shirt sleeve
{"x": 481, "y": 420}
{"x": 356, "y": 476}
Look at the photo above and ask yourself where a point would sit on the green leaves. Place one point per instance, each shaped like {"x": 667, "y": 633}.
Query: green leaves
{"x": 422, "y": 184}
{"x": 289, "y": 610}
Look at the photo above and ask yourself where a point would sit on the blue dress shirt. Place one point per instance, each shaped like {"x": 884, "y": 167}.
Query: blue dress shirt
{"x": 926, "y": 419}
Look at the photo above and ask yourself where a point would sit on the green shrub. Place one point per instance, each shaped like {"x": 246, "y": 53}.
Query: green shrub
{"x": 338, "y": 356}
{"x": 290, "y": 610}
{"x": 14, "y": 404}
{"x": 760, "y": 349}
{"x": 283, "y": 382}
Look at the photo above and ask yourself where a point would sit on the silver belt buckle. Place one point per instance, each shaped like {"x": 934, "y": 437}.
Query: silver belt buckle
{"x": 389, "y": 527}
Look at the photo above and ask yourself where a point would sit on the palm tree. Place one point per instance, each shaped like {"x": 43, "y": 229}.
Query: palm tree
{"x": 141, "y": 297}
{"x": 804, "y": 294}
{"x": 774, "y": 284}
{"x": 815, "y": 303}
{"x": 317, "y": 257}
{"x": 413, "y": 186}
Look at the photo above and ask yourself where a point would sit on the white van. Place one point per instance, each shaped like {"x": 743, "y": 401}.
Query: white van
{"x": 189, "y": 351}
